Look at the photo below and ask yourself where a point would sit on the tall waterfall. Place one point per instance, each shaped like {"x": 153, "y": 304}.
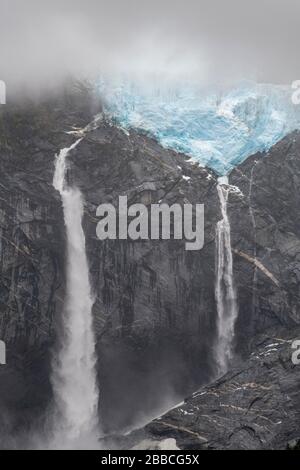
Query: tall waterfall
{"x": 224, "y": 289}
{"x": 74, "y": 374}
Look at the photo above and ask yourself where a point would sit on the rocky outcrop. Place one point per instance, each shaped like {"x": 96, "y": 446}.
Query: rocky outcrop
{"x": 254, "y": 406}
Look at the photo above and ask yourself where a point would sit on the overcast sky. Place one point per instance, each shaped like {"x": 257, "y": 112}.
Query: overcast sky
{"x": 42, "y": 41}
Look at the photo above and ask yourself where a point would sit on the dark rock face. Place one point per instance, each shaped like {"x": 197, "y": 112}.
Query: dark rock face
{"x": 32, "y": 252}
{"x": 255, "y": 406}
{"x": 32, "y": 264}
{"x": 155, "y": 310}
{"x": 265, "y": 225}
{"x": 155, "y": 307}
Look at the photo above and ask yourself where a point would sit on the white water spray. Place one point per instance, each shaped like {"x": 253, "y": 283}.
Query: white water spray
{"x": 224, "y": 289}
{"x": 74, "y": 374}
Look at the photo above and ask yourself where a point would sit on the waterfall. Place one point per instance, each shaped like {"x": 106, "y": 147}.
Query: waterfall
{"x": 74, "y": 374}
{"x": 224, "y": 289}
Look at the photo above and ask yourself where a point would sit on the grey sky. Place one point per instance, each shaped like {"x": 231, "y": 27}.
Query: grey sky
{"x": 43, "y": 41}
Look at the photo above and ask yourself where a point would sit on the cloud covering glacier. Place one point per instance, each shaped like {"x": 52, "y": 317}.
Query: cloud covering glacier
{"x": 218, "y": 129}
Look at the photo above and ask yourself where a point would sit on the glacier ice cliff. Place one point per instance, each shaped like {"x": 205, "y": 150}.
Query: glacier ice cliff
{"x": 218, "y": 129}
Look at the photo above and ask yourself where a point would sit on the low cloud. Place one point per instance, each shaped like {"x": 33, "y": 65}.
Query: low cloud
{"x": 41, "y": 43}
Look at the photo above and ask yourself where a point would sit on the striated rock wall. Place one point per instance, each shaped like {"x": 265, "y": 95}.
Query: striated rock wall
{"x": 256, "y": 404}
{"x": 155, "y": 306}
{"x": 154, "y": 310}
{"x": 265, "y": 225}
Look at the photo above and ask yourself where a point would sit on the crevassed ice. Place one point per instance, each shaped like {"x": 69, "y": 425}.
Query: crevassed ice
{"x": 219, "y": 130}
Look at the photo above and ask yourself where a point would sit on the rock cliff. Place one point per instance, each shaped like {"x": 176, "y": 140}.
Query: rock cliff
{"x": 155, "y": 310}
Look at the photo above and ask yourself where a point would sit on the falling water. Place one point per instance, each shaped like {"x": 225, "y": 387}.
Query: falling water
{"x": 74, "y": 374}
{"x": 224, "y": 289}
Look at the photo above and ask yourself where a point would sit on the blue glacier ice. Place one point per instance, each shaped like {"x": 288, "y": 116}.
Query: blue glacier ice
{"x": 218, "y": 129}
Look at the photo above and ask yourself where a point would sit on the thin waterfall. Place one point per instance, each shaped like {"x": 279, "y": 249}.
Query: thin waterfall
{"x": 224, "y": 289}
{"x": 74, "y": 373}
